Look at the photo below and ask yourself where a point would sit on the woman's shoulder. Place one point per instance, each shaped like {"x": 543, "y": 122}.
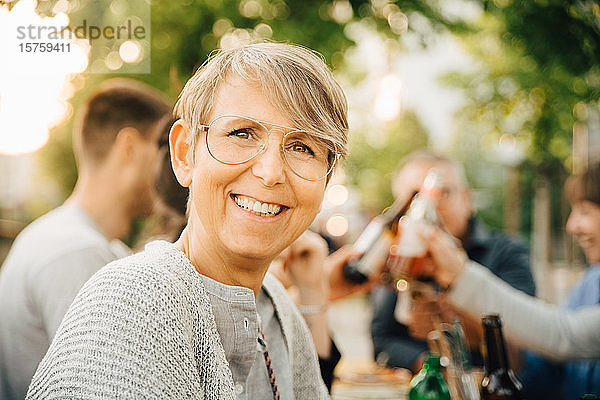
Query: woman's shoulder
{"x": 158, "y": 274}
{"x": 158, "y": 259}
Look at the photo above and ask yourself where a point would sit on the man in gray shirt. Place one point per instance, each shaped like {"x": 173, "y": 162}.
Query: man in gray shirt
{"x": 115, "y": 145}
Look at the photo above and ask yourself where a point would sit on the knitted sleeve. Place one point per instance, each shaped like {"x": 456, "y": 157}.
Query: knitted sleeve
{"x": 134, "y": 331}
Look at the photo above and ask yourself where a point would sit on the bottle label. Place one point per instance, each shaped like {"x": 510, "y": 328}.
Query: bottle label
{"x": 376, "y": 255}
{"x": 410, "y": 244}
{"x": 403, "y": 306}
{"x": 369, "y": 236}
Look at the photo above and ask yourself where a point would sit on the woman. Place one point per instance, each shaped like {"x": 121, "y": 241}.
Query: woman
{"x": 260, "y": 129}
{"x": 547, "y": 329}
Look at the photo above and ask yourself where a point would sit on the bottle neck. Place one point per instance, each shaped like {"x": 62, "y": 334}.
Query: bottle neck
{"x": 432, "y": 364}
{"x": 496, "y": 358}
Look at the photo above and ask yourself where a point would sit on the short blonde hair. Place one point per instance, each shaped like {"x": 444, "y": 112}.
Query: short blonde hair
{"x": 297, "y": 81}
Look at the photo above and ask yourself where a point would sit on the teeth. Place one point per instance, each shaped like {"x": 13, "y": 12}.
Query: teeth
{"x": 257, "y": 207}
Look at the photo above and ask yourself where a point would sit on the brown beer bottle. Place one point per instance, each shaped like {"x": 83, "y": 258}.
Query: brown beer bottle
{"x": 499, "y": 381}
{"x": 374, "y": 242}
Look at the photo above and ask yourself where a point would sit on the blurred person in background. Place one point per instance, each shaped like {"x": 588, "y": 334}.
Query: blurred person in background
{"x": 314, "y": 279}
{"x": 260, "y": 129}
{"x": 115, "y": 147}
{"x": 404, "y": 345}
{"x": 560, "y": 333}
{"x": 543, "y": 378}
{"x": 170, "y": 198}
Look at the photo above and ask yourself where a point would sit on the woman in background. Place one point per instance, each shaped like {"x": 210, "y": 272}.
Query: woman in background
{"x": 570, "y": 333}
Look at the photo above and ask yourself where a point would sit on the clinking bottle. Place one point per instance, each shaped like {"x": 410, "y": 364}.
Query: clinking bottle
{"x": 499, "y": 381}
{"x": 408, "y": 251}
{"x": 374, "y": 242}
{"x": 409, "y": 246}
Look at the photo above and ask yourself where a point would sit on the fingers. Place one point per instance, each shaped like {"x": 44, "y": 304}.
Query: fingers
{"x": 423, "y": 315}
{"x": 448, "y": 260}
{"x": 341, "y": 256}
{"x": 308, "y": 244}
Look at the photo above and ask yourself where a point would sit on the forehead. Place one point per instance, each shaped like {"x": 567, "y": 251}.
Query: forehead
{"x": 413, "y": 174}
{"x": 587, "y": 206}
{"x": 237, "y": 96}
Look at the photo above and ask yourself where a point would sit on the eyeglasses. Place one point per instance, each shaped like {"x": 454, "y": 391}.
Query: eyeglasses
{"x": 234, "y": 140}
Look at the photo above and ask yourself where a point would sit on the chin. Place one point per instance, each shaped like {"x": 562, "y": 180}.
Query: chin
{"x": 256, "y": 249}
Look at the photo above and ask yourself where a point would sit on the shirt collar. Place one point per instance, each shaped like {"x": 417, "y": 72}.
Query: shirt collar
{"x": 478, "y": 235}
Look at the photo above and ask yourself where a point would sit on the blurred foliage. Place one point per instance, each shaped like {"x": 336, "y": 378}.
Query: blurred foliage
{"x": 536, "y": 74}
{"x": 536, "y": 70}
{"x": 185, "y": 32}
{"x": 375, "y": 155}
{"x": 537, "y": 63}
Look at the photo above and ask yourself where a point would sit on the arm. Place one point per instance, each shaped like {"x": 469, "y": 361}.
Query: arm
{"x": 528, "y": 321}
{"x": 301, "y": 270}
{"x": 313, "y": 279}
{"x": 508, "y": 258}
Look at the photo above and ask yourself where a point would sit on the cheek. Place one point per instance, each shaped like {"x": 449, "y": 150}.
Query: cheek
{"x": 594, "y": 228}
{"x": 310, "y": 197}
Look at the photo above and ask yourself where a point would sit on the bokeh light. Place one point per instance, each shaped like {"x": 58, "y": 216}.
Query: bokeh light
{"x": 337, "y": 195}
{"x": 388, "y": 101}
{"x": 34, "y": 86}
{"x": 337, "y": 225}
{"x": 130, "y": 51}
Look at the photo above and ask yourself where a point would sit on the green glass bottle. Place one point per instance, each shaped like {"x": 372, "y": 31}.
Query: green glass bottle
{"x": 429, "y": 384}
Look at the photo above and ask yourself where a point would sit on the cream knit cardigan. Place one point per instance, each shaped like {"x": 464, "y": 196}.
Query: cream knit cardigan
{"x": 142, "y": 328}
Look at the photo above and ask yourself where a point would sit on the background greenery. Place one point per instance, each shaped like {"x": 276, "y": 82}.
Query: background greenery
{"x": 536, "y": 74}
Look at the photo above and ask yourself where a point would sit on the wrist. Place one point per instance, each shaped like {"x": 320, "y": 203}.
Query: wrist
{"x": 312, "y": 309}
{"x": 451, "y": 276}
{"x": 312, "y": 296}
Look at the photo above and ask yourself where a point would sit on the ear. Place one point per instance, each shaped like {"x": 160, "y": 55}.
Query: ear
{"x": 178, "y": 146}
{"x": 467, "y": 199}
{"x": 126, "y": 144}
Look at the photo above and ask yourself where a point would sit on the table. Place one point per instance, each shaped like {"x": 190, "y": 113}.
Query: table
{"x": 365, "y": 380}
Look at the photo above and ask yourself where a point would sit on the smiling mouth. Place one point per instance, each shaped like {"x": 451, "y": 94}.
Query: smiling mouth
{"x": 256, "y": 207}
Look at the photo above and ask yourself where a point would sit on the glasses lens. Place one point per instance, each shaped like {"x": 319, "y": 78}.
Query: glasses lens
{"x": 307, "y": 157}
{"x": 235, "y": 140}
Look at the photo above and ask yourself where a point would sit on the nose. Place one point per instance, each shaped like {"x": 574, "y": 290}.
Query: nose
{"x": 572, "y": 223}
{"x": 269, "y": 164}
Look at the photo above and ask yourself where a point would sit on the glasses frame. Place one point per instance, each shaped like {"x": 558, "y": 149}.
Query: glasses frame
{"x": 263, "y": 146}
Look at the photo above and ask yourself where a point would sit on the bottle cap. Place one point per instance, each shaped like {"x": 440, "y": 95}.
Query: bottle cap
{"x": 491, "y": 320}
{"x": 433, "y": 360}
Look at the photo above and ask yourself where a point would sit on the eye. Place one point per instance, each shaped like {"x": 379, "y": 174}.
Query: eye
{"x": 242, "y": 133}
{"x": 297, "y": 146}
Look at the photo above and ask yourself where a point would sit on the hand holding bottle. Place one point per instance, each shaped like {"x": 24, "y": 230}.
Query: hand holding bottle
{"x": 448, "y": 260}
{"x": 313, "y": 277}
{"x": 301, "y": 268}
{"x": 424, "y": 317}
{"x": 409, "y": 249}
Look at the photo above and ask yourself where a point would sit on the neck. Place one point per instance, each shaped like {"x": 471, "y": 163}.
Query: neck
{"x": 102, "y": 201}
{"x": 221, "y": 265}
